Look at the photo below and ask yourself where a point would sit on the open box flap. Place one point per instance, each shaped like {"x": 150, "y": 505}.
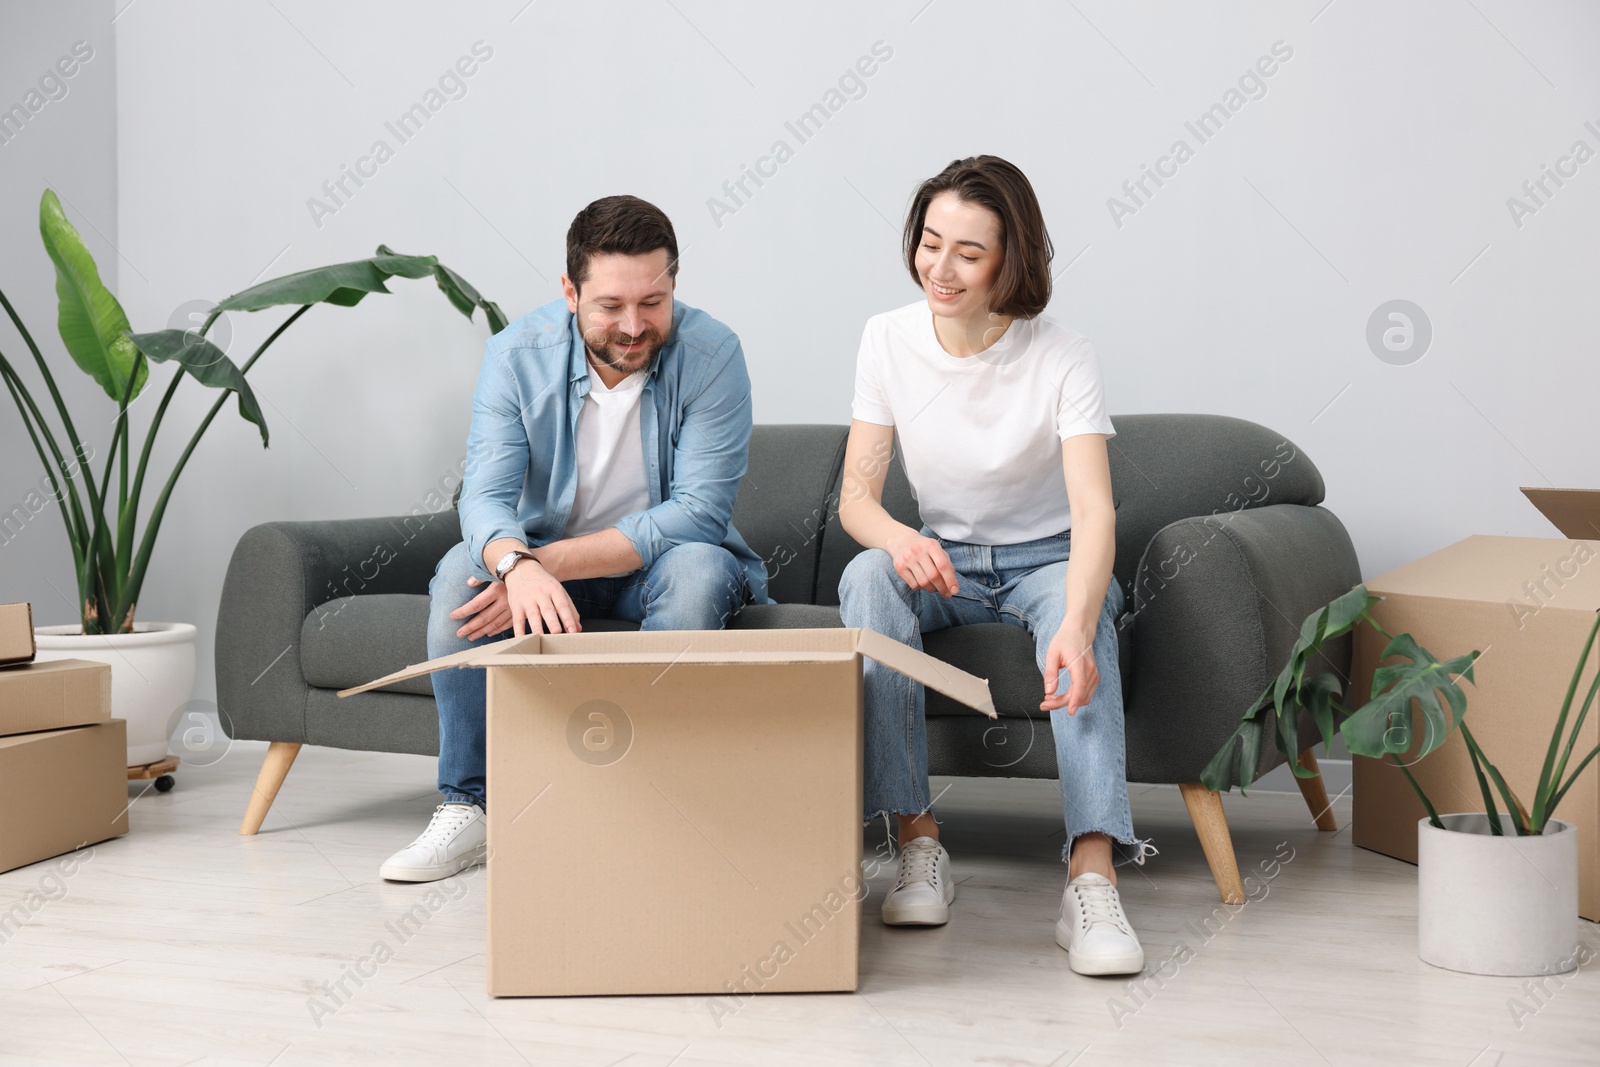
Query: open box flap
{"x": 528, "y": 651}
{"x": 953, "y": 682}
{"x": 1575, "y": 512}
{"x": 470, "y": 657}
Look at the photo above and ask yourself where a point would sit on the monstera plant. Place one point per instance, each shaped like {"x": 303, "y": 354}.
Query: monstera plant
{"x": 111, "y": 537}
{"x": 1497, "y": 891}
{"x": 1380, "y": 727}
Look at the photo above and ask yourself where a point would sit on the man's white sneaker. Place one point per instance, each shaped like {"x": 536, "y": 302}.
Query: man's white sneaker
{"x": 1094, "y": 931}
{"x": 923, "y": 892}
{"x": 457, "y": 837}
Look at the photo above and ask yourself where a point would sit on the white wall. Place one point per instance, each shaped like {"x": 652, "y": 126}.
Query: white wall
{"x": 1376, "y": 166}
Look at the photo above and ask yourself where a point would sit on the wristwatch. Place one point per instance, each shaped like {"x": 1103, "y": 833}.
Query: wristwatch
{"x": 508, "y": 561}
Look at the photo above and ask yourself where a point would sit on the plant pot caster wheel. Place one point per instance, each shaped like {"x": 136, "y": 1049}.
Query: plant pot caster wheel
{"x": 161, "y": 771}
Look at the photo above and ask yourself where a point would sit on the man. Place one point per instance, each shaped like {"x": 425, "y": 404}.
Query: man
{"x": 609, "y": 433}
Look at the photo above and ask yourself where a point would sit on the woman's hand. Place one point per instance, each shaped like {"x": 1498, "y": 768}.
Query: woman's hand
{"x": 922, "y": 562}
{"x": 1072, "y": 651}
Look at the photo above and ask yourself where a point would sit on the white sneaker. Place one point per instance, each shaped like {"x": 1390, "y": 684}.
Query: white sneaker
{"x": 1094, "y": 931}
{"x": 457, "y": 837}
{"x": 924, "y": 889}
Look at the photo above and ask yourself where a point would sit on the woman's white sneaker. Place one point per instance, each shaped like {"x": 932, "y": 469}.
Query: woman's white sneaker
{"x": 1094, "y": 930}
{"x": 457, "y": 837}
{"x": 923, "y": 891}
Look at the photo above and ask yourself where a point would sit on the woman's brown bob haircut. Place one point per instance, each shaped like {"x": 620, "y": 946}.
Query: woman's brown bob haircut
{"x": 1022, "y": 287}
{"x": 622, "y": 225}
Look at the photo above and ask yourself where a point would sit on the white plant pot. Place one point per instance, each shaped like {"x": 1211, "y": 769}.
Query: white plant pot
{"x": 1497, "y": 905}
{"x": 152, "y": 676}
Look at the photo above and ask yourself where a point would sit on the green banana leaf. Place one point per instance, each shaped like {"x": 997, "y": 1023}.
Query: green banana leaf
{"x": 343, "y": 284}
{"x": 91, "y": 321}
{"x": 462, "y": 294}
{"x": 206, "y": 364}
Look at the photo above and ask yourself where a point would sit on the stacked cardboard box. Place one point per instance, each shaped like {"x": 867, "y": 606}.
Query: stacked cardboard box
{"x": 1527, "y": 605}
{"x": 63, "y": 773}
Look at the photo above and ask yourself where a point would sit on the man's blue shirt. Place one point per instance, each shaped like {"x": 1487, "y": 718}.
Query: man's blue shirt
{"x": 694, "y": 417}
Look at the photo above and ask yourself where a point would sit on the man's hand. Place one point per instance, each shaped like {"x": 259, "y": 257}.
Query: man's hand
{"x": 537, "y": 600}
{"x": 922, "y": 562}
{"x": 490, "y": 610}
{"x": 1072, "y": 651}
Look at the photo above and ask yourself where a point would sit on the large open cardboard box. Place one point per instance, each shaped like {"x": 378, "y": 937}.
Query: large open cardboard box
{"x": 679, "y": 811}
{"x": 1527, "y": 604}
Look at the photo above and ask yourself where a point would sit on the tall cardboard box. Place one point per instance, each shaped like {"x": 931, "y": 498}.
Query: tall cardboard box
{"x": 1527, "y": 604}
{"x": 679, "y": 811}
{"x": 61, "y": 790}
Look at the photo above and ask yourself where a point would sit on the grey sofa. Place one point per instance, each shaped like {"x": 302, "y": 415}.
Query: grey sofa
{"x": 1222, "y": 549}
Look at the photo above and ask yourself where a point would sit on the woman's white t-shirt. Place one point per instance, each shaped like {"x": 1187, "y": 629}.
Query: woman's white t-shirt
{"x": 981, "y": 436}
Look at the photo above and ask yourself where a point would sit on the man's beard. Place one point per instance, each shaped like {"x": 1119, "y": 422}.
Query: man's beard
{"x": 610, "y": 354}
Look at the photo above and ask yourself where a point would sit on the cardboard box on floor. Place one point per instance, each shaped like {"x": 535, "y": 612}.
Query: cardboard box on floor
{"x": 679, "y": 811}
{"x": 63, "y": 760}
{"x": 61, "y": 790}
{"x": 1527, "y": 605}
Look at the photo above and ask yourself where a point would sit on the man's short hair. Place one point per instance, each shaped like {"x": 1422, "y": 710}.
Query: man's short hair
{"x": 618, "y": 225}
{"x": 1022, "y": 287}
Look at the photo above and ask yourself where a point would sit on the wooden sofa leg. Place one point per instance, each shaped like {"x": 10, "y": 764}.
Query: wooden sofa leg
{"x": 274, "y": 769}
{"x": 1315, "y": 790}
{"x": 1205, "y": 810}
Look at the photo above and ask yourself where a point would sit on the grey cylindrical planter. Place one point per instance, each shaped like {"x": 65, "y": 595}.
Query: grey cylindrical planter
{"x": 1497, "y": 905}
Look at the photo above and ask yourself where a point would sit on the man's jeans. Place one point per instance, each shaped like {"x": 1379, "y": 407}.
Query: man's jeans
{"x": 1022, "y": 584}
{"x": 691, "y": 586}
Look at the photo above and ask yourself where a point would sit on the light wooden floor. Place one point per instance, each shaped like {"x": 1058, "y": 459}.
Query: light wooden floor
{"x": 184, "y": 943}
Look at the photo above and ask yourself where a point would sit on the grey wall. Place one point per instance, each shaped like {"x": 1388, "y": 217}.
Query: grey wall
{"x": 1375, "y": 165}
{"x": 69, "y": 143}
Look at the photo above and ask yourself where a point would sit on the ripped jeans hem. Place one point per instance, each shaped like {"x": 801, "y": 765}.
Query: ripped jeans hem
{"x": 885, "y": 813}
{"x": 1124, "y": 850}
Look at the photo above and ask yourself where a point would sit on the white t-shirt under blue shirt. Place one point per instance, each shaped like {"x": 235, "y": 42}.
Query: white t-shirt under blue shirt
{"x": 611, "y": 476}
{"x": 981, "y": 436}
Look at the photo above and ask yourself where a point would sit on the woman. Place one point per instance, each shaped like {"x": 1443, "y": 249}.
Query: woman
{"x": 1002, "y": 428}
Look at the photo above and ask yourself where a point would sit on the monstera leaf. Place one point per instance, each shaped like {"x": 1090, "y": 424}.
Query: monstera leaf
{"x": 1383, "y": 727}
{"x": 1290, "y": 692}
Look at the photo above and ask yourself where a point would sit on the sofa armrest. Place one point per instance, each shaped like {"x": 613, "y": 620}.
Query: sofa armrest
{"x": 283, "y": 571}
{"x": 1217, "y": 604}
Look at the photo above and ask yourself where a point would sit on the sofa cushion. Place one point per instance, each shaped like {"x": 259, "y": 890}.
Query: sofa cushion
{"x": 783, "y": 503}
{"x": 367, "y": 637}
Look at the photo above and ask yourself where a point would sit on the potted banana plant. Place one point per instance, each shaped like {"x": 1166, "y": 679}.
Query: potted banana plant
{"x": 1497, "y": 889}
{"x": 112, "y": 529}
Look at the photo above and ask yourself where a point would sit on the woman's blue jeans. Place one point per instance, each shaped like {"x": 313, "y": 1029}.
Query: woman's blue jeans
{"x": 691, "y": 586}
{"x": 1022, "y": 584}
